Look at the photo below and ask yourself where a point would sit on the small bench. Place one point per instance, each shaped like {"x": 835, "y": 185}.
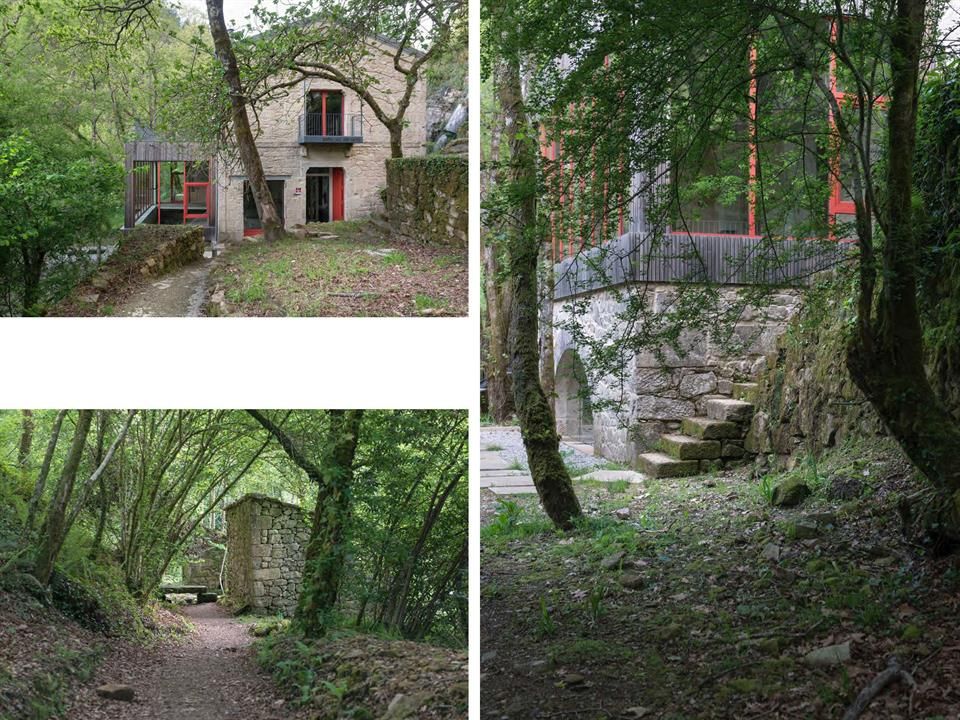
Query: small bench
{"x": 199, "y": 590}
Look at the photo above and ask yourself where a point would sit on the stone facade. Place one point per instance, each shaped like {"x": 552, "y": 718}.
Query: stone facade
{"x": 284, "y": 158}
{"x": 266, "y": 539}
{"x": 426, "y": 199}
{"x": 657, "y": 395}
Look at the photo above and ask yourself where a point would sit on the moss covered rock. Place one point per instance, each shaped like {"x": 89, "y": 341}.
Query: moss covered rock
{"x": 790, "y": 493}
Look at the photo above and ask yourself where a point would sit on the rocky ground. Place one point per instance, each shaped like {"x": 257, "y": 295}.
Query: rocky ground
{"x": 703, "y": 600}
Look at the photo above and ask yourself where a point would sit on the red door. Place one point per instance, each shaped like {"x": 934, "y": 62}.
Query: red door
{"x": 337, "y": 192}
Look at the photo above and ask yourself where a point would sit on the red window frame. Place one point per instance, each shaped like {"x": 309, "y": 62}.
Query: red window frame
{"x": 323, "y": 108}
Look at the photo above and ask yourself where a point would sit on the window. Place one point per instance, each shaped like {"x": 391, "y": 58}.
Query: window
{"x": 324, "y": 113}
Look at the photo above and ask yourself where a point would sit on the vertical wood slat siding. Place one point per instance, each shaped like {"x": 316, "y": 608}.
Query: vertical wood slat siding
{"x": 723, "y": 259}
{"x": 138, "y": 196}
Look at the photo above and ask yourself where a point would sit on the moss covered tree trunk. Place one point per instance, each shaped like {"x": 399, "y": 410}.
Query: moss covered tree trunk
{"x": 324, "y": 556}
{"x": 537, "y": 423}
{"x": 886, "y": 355}
{"x": 55, "y": 525}
{"x": 249, "y": 155}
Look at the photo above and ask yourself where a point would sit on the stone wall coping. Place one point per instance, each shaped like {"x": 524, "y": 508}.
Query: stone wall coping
{"x": 262, "y": 498}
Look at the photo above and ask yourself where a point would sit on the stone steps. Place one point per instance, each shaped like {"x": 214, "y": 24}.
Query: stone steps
{"x": 745, "y": 391}
{"x": 683, "y": 447}
{"x": 729, "y": 409}
{"x": 658, "y": 465}
{"x": 704, "y": 443}
{"x": 706, "y": 429}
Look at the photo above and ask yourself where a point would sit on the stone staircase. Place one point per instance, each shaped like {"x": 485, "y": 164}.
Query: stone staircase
{"x": 705, "y": 443}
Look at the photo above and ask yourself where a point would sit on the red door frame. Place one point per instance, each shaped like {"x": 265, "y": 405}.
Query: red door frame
{"x": 323, "y": 109}
{"x": 336, "y": 192}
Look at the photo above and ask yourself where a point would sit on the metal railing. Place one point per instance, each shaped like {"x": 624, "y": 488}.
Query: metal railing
{"x": 320, "y": 127}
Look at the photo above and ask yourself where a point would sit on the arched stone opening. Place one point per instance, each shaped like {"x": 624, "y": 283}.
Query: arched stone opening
{"x": 573, "y": 408}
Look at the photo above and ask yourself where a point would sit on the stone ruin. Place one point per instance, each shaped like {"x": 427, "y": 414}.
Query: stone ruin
{"x": 204, "y": 569}
{"x": 266, "y": 539}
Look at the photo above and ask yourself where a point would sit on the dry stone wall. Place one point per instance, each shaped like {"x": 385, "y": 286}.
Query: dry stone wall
{"x": 659, "y": 392}
{"x": 426, "y": 199}
{"x": 266, "y": 539}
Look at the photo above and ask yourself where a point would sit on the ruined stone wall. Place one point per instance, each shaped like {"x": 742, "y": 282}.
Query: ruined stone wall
{"x": 204, "y": 569}
{"x": 284, "y": 158}
{"x": 426, "y": 199}
{"x": 656, "y": 396}
{"x": 266, "y": 539}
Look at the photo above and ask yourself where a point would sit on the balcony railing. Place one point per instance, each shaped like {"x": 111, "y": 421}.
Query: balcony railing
{"x": 331, "y": 128}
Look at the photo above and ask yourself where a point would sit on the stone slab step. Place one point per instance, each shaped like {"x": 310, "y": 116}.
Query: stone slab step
{"x": 523, "y": 490}
{"x": 613, "y": 476}
{"x": 493, "y": 481}
{"x": 659, "y": 465}
{"x": 746, "y": 391}
{"x": 707, "y": 429}
{"x": 683, "y": 447}
{"x": 729, "y": 409}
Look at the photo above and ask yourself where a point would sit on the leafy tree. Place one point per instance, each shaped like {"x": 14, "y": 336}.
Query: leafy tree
{"x": 52, "y": 202}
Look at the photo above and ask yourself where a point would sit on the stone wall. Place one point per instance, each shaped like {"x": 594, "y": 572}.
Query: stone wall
{"x": 266, "y": 539}
{"x": 284, "y": 158}
{"x": 659, "y": 392}
{"x": 426, "y": 199}
{"x": 204, "y": 569}
{"x": 807, "y": 402}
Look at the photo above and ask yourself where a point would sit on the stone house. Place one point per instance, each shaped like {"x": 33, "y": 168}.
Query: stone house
{"x": 266, "y": 539}
{"x": 322, "y": 149}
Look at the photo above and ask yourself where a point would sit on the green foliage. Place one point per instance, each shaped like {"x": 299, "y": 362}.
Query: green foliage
{"x": 50, "y": 203}
{"x": 440, "y": 165}
{"x": 766, "y": 487}
{"x": 545, "y": 622}
{"x": 595, "y": 608}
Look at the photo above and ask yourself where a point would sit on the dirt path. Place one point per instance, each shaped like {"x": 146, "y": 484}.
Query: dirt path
{"x": 179, "y": 294}
{"x": 211, "y": 675}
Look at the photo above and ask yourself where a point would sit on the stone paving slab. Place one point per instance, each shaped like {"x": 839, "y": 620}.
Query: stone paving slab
{"x": 525, "y": 490}
{"x": 508, "y": 481}
{"x": 493, "y": 461}
{"x": 614, "y": 476}
{"x": 578, "y": 446}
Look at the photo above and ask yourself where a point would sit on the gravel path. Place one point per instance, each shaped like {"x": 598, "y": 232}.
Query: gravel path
{"x": 210, "y": 675}
{"x": 511, "y": 448}
{"x": 179, "y": 294}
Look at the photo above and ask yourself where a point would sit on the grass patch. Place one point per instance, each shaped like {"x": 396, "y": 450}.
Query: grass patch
{"x": 337, "y": 276}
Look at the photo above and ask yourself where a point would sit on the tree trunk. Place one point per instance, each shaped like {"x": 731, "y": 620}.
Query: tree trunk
{"x": 40, "y": 485}
{"x": 499, "y": 392}
{"x": 26, "y": 442}
{"x": 396, "y": 139}
{"x": 547, "y": 377}
{"x": 537, "y": 423}
{"x": 32, "y": 272}
{"x": 324, "y": 556}
{"x": 249, "y": 155}
{"x": 54, "y": 526}
{"x": 886, "y": 354}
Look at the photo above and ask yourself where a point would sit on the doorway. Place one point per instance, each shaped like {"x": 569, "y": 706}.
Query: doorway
{"x": 325, "y": 194}
{"x": 318, "y": 195}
